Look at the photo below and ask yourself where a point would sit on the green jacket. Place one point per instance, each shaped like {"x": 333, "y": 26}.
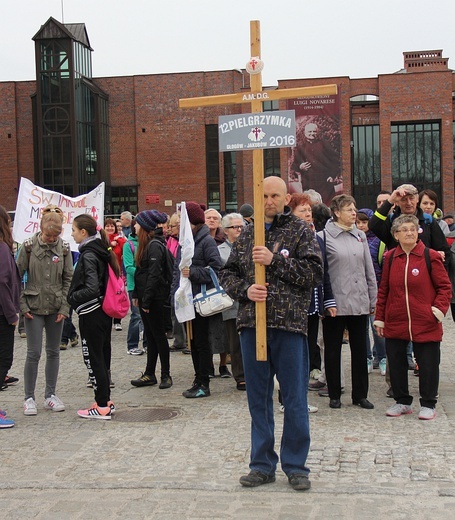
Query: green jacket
{"x": 129, "y": 264}
{"x": 50, "y": 270}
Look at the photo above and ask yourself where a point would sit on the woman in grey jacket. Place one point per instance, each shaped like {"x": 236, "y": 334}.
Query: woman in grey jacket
{"x": 49, "y": 265}
{"x": 354, "y": 289}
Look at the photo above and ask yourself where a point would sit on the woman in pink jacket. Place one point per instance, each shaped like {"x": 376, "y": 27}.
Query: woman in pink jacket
{"x": 413, "y": 298}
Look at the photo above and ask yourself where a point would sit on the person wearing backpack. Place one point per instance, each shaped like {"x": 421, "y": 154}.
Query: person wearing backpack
{"x": 46, "y": 258}
{"x": 86, "y": 295}
{"x": 152, "y": 283}
{"x": 414, "y": 296}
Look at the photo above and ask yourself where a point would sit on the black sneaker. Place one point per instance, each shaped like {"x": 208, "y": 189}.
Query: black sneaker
{"x": 224, "y": 372}
{"x": 299, "y": 481}
{"x": 212, "y": 372}
{"x": 144, "y": 380}
{"x": 11, "y": 381}
{"x": 197, "y": 390}
{"x": 256, "y": 478}
{"x": 166, "y": 381}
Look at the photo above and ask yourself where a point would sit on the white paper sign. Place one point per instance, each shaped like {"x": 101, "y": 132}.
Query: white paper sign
{"x": 32, "y": 199}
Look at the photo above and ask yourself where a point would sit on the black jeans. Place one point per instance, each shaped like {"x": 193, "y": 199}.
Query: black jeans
{"x": 428, "y": 356}
{"x": 333, "y": 329}
{"x": 6, "y": 347}
{"x": 201, "y": 352}
{"x": 96, "y": 328}
{"x": 155, "y": 329}
{"x": 314, "y": 350}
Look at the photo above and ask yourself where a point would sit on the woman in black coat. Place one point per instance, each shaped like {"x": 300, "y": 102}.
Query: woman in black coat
{"x": 151, "y": 294}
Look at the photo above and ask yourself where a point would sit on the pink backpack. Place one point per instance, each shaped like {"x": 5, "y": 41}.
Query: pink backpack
{"x": 116, "y": 302}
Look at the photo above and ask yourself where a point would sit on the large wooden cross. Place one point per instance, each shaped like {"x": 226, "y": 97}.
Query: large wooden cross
{"x": 256, "y": 97}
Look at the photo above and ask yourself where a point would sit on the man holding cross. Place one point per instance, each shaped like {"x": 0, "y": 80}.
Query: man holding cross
{"x": 293, "y": 264}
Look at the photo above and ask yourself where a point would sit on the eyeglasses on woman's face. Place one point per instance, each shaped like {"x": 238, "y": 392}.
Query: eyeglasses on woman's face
{"x": 239, "y": 228}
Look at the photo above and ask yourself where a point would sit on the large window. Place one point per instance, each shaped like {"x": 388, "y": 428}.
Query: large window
{"x": 212, "y": 166}
{"x": 121, "y": 198}
{"x": 366, "y": 165}
{"x": 230, "y": 180}
{"x": 55, "y": 117}
{"x": 416, "y": 155}
{"x": 271, "y": 155}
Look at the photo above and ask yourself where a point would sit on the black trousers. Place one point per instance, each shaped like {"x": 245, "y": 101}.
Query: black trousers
{"x": 313, "y": 347}
{"x": 95, "y": 330}
{"x": 201, "y": 353}
{"x": 6, "y": 347}
{"x": 155, "y": 329}
{"x": 333, "y": 329}
{"x": 428, "y": 356}
{"x": 235, "y": 350}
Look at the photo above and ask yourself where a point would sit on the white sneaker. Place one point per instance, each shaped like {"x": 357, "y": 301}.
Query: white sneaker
{"x": 427, "y": 414}
{"x": 370, "y": 365}
{"x": 30, "y": 407}
{"x": 135, "y": 352}
{"x": 117, "y": 326}
{"x": 53, "y": 403}
{"x": 383, "y": 366}
{"x": 312, "y": 409}
{"x": 398, "y": 409}
{"x": 282, "y": 408}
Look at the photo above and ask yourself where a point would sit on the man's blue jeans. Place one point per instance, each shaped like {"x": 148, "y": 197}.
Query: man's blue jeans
{"x": 135, "y": 327}
{"x": 287, "y": 357}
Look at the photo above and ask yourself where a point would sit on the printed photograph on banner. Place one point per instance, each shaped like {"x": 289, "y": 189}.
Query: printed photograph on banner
{"x": 315, "y": 161}
{"x": 33, "y": 199}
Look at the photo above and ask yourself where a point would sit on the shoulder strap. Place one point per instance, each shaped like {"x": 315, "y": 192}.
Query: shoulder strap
{"x": 427, "y": 260}
{"x": 381, "y": 251}
{"x": 391, "y": 255}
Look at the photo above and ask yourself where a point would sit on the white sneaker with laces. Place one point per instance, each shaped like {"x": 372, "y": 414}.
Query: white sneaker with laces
{"x": 30, "y": 407}
{"x": 117, "y": 326}
{"x": 54, "y": 403}
{"x": 426, "y": 414}
{"x": 398, "y": 409}
{"x": 312, "y": 409}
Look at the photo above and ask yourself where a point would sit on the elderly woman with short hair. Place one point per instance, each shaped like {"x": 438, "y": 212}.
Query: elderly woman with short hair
{"x": 413, "y": 298}
{"x": 354, "y": 289}
{"x": 232, "y": 225}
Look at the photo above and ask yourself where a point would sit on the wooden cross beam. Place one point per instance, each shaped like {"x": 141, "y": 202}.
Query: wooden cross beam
{"x": 256, "y": 96}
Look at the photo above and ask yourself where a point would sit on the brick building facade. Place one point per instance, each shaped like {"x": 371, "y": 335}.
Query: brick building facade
{"x": 160, "y": 154}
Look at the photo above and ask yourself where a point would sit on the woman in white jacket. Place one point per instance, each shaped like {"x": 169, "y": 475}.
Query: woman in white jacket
{"x": 354, "y": 289}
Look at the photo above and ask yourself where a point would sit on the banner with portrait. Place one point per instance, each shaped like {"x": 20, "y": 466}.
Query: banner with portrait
{"x": 32, "y": 199}
{"x": 315, "y": 161}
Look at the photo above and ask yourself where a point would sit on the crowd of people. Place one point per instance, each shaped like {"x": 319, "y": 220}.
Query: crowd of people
{"x": 380, "y": 280}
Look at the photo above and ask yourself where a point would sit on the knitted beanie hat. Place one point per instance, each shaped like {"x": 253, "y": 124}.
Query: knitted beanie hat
{"x": 150, "y": 218}
{"x": 195, "y": 212}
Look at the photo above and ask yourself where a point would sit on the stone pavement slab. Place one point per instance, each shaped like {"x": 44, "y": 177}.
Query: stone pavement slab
{"x": 57, "y": 465}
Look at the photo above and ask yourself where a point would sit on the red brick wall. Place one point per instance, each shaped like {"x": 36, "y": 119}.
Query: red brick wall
{"x": 168, "y": 158}
{"x": 16, "y": 138}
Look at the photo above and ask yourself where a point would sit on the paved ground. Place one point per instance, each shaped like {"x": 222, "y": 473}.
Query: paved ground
{"x": 363, "y": 464}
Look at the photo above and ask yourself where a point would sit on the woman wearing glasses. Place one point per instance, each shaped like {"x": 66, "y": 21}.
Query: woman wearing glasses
{"x": 232, "y": 225}
{"x": 413, "y": 298}
{"x": 354, "y": 289}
